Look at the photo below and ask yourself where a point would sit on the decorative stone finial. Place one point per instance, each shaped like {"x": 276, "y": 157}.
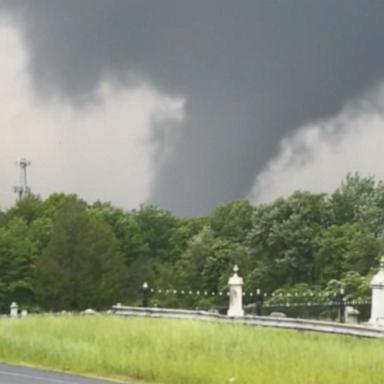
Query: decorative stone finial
{"x": 382, "y": 263}
{"x": 235, "y": 269}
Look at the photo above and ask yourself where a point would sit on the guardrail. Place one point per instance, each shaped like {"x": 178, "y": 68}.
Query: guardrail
{"x": 265, "y": 321}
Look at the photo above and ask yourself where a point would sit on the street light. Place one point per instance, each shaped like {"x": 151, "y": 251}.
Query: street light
{"x": 145, "y": 292}
{"x": 259, "y": 302}
{"x": 341, "y": 303}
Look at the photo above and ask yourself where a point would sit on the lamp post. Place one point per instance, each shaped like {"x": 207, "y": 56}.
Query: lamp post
{"x": 259, "y": 302}
{"x": 145, "y": 293}
{"x": 341, "y": 304}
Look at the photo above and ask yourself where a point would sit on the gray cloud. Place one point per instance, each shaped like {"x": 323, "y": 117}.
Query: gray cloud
{"x": 251, "y": 72}
{"x": 103, "y": 150}
{"x": 319, "y": 155}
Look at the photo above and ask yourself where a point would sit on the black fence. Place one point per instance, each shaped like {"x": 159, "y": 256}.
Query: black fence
{"x": 186, "y": 299}
{"x": 320, "y": 305}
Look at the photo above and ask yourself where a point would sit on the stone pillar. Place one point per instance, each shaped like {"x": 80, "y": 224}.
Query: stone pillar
{"x": 235, "y": 294}
{"x": 351, "y": 315}
{"x": 377, "y": 305}
{"x": 14, "y": 310}
{"x": 24, "y": 313}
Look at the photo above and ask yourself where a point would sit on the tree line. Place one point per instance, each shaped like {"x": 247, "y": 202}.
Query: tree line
{"x": 62, "y": 253}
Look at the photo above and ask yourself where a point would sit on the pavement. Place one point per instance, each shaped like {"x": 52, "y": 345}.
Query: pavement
{"x": 14, "y": 374}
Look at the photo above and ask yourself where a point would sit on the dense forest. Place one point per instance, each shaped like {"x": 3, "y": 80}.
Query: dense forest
{"x": 61, "y": 253}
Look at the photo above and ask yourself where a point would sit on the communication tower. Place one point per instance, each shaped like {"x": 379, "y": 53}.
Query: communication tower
{"x": 22, "y": 189}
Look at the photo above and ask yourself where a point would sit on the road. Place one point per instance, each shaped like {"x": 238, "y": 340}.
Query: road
{"x": 12, "y": 374}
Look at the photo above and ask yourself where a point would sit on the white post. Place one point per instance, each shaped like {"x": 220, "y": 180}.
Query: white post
{"x": 235, "y": 294}
{"x": 377, "y": 305}
{"x": 351, "y": 315}
{"x": 14, "y": 310}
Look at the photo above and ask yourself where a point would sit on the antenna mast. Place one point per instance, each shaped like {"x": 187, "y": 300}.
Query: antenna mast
{"x": 22, "y": 189}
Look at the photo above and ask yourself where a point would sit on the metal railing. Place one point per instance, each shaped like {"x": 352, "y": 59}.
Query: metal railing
{"x": 319, "y": 305}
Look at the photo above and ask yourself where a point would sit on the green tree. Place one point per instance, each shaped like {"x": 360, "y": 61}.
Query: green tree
{"x": 232, "y": 221}
{"x": 18, "y": 253}
{"x": 355, "y": 286}
{"x": 157, "y": 228}
{"x": 2, "y": 218}
{"x": 208, "y": 261}
{"x": 352, "y": 198}
{"x": 29, "y": 208}
{"x": 343, "y": 248}
{"x": 56, "y": 202}
{"x": 282, "y": 241}
{"x": 123, "y": 224}
{"x": 81, "y": 266}
{"x": 193, "y": 260}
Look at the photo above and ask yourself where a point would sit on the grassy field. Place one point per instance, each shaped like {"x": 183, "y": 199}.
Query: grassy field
{"x": 189, "y": 352}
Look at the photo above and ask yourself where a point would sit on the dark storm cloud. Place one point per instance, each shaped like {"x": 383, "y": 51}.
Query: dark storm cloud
{"x": 252, "y": 71}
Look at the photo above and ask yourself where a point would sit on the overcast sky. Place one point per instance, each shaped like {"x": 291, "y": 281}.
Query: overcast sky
{"x": 186, "y": 104}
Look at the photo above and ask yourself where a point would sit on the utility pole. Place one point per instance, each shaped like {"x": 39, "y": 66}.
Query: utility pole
{"x": 22, "y": 189}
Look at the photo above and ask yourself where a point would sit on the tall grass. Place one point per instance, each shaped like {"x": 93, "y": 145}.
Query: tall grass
{"x": 189, "y": 352}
